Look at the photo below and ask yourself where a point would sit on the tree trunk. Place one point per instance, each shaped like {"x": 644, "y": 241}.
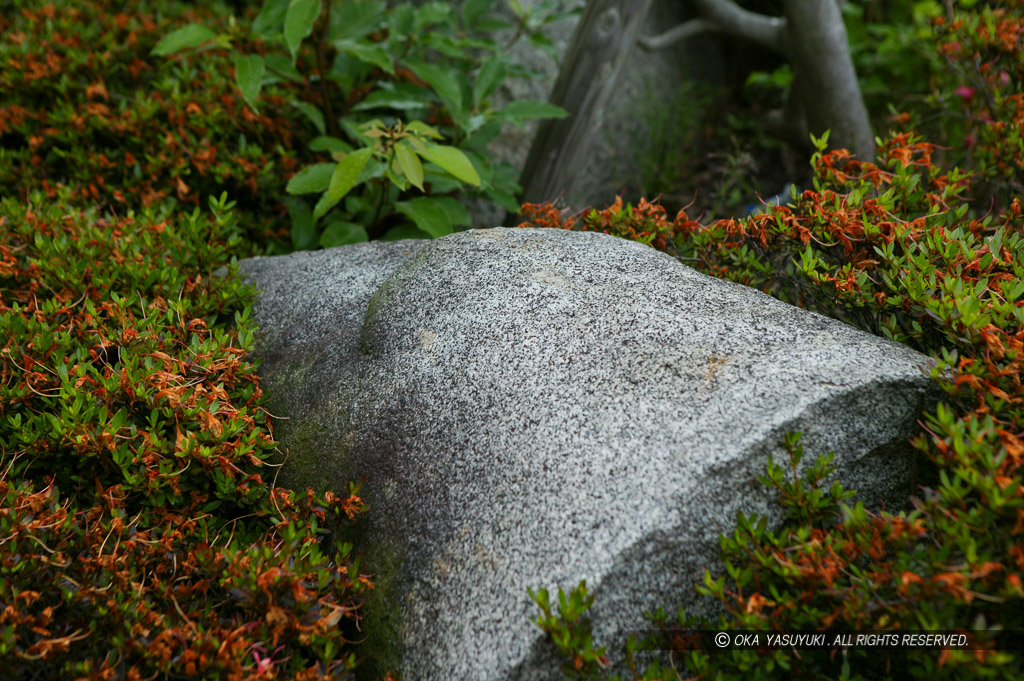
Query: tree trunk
{"x": 824, "y": 76}
{"x": 603, "y": 42}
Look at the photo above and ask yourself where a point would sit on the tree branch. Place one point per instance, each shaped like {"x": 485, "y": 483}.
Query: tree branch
{"x": 732, "y": 19}
{"x": 685, "y": 30}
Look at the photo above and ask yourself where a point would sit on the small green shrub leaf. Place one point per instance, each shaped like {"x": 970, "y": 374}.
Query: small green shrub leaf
{"x": 491, "y": 75}
{"x": 367, "y": 52}
{"x": 528, "y": 109}
{"x": 184, "y": 38}
{"x": 345, "y": 176}
{"x": 444, "y": 82}
{"x": 339, "y": 233}
{"x": 428, "y": 214}
{"x": 298, "y": 23}
{"x": 249, "y": 76}
{"x": 406, "y": 230}
{"x": 312, "y": 179}
{"x": 410, "y": 165}
{"x": 314, "y": 115}
{"x": 268, "y": 21}
{"x": 453, "y": 162}
{"x": 472, "y": 10}
{"x": 280, "y": 66}
{"x": 457, "y": 213}
{"x": 303, "y": 231}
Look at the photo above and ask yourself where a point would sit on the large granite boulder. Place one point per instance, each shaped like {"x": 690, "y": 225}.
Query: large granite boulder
{"x": 534, "y": 407}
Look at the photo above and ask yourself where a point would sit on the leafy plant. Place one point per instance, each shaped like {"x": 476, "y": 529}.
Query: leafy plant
{"x": 401, "y": 98}
{"x": 140, "y": 536}
{"x": 84, "y": 106}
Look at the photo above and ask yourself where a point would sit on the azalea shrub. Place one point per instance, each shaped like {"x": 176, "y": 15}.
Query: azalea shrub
{"x": 142, "y": 534}
{"x": 86, "y": 107}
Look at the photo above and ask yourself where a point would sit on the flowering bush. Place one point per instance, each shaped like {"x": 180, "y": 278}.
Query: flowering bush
{"x": 142, "y": 535}
{"x": 86, "y": 107}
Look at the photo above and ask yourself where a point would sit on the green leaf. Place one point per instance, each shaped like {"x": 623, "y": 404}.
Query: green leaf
{"x": 410, "y": 165}
{"x": 312, "y": 179}
{"x": 457, "y": 213}
{"x": 279, "y": 65}
{"x": 184, "y": 38}
{"x": 400, "y": 21}
{"x": 423, "y": 129}
{"x": 404, "y": 231}
{"x": 528, "y": 109}
{"x": 472, "y": 10}
{"x": 452, "y": 161}
{"x": 356, "y": 18}
{"x": 298, "y": 23}
{"x": 445, "y": 84}
{"x": 345, "y": 176}
{"x": 330, "y": 144}
{"x": 404, "y": 99}
{"x": 268, "y": 21}
{"x": 313, "y": 114}
{"x": 428, "y": 214}
{"x": 488, "y": 80}
{"x": 368, "y": 52}
{"x": 249, "y": 76}
{"x": 340, "y": 232}
{"x": 303, "y": 230}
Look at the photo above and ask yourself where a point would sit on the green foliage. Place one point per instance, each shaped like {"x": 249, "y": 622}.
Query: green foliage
{"x": 141, "y": 538}
{"x": 85, "y": 105}
{"x": 401, "y": 97}
{"x": 570, "y": 631}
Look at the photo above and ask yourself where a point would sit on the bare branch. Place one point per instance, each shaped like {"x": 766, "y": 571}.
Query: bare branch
{"x": 758, "y": 28}
{"x": 677, "y": 34}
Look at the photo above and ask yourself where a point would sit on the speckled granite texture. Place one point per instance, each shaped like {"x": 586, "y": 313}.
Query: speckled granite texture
{"x": 534, "y": 407}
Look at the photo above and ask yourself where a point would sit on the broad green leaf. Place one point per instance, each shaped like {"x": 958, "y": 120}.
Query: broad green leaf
{"x": 279, "y": 65}
{"x": 298, "y": 23}
{"x": 429, "y": 14}
{"x": 356, "y": 18}
{"x": 457, "y": 213}
{"x": 400, "y": 21}
{"x": 472, "y": 10}
{"x": 503, "y": 198}
{"x": 409, "y": 164}
{"x": 249, "y": 76}
{"x": 445, "y": 84}
{"x": 268, "y": 21}
{"x": 313, "y": 114}
{"x": 527, "y": 109}
{"x": 184, "y": 38}
{"x": 312, "y": 179}
{"x": 404, "y": 99}
{"x": 491, "y": 75}
{"x": 368, "y": 52}
{"x": 303, "y": 230}
{"x": 453, "y": 162}
{"x": 345, "y": 176}
{"x": 428, "y": 214}
{"x": 404, "y": 231}
{"x": 340, "y": 232}
{"x": 331, "y": 144}
{"x": 423, "y": 129}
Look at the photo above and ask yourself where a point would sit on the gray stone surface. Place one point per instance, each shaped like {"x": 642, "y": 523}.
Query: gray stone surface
{"x": 534, "y": 407}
